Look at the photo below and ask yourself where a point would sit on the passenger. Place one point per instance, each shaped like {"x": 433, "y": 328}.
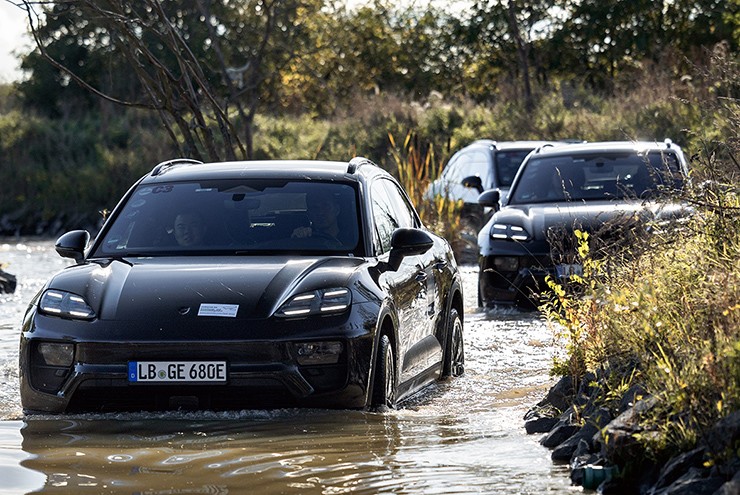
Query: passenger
{"x": 189, "y": 229}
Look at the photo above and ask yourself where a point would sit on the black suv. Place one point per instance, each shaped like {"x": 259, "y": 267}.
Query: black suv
{"x": 264, "y": 283}
{"x": 608, "y": 187}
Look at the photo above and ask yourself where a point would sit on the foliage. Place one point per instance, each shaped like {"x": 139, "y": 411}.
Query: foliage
{"x": 416, "y": 170}
{"x": 45, "y": 155}
{"x": 668, "y": 308}
{"x": 673, "y": 308}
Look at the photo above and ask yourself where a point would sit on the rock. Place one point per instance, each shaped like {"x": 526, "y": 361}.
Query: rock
{"x": 631, "y": 397}
{"x": 724, "y": 435}
{"x": 622, "y": 446}
{"x": 565, "y": 450}
{"x": 560, "y": 396}
{"x": 676, "y": 467}
{"x": 582, "y": 455}
{"x": 731, "y": 487}
{"x": 540, "y": 425}
{"x": 559, "y": 434}
{"x": 8, "y": 282}
{"x": 694, "y": 482}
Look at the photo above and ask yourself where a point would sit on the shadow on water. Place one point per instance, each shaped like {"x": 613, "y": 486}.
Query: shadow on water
{"x": 285, "y": 451}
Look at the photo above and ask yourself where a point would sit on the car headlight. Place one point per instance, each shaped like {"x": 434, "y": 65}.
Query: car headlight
{"x": 316, "y": 302}
{"x": 65, "y": 304}
{"x": 510, "y": 232}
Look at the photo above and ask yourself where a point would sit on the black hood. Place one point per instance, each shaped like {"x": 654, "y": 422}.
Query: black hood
{"x": 540, "y": 219}
{"x": 140, "y": 288}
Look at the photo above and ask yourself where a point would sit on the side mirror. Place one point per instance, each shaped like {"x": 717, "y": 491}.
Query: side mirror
{"x": 410, "y": 241}
{"x": 491, "y": 198}
{"x": 73, "y": 244}
{"x": 473, "y": 182}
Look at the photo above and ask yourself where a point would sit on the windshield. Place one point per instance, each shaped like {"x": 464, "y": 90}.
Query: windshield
{"x": 507, "y": 165}
{"x": 599, "y": 176}
{"x": 235, "y": 216}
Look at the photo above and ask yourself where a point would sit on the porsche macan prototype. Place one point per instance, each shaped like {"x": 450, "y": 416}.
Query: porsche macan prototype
{"x": 242, "y": 285}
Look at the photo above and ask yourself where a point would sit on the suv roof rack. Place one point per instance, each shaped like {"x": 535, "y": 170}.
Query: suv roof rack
{"x": 164, "y": 166}
{"x": 487, "y": 142}
{"x": 356, "y": 162}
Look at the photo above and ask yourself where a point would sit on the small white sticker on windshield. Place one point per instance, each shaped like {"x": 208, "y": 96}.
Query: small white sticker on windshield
{"x": 225, "y": 310}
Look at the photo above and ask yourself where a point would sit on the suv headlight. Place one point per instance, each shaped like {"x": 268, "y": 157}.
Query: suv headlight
{"x": 315, "y": 302}
{"x": 509, "y": 232}
{"x": 66, "y": 305}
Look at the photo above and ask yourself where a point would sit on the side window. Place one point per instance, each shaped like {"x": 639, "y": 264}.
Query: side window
{"x": 404, "y": 212}
{"x": 450, "y": 173}
{"x": 385, "y": 219}
{"x": 391, "y": 210}
{"x": 475, "y": 163}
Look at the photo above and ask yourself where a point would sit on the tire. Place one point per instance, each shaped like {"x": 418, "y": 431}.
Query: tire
{"x": 454, "y": 352}
{"x": 385, "y": 386}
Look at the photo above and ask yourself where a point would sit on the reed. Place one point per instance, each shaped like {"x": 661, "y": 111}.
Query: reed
{"x": 416, "y": 169}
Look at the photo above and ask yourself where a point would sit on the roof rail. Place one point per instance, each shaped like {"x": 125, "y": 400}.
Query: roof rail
{"x": 356, "y": 162}
{"x": 164, "y": 166}
{"x": 490, "y": 142}
{"x": 543, "y": 146}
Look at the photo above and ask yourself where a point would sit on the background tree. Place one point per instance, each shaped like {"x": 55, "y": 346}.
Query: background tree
{"x": 192, "y": 61}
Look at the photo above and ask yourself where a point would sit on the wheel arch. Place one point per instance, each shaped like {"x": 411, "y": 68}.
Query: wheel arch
{"x": 387, "y": 325}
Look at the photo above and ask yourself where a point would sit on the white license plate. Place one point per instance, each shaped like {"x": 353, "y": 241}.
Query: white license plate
{"x": 565, "y": 271}
{"x": 177, "y": 371}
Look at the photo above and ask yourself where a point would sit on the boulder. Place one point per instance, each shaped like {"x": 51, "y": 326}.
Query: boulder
{"x": 562, "y": 431}
{"x": 731, "y": 487}
{"x": 622, "y": 446}
{"x": 566, "y": 449}
{"x": 693, "y": 482}
{"x": 540, "y": 424}
{"x": 678, "y": 466}
{"x": 8, "y": 282}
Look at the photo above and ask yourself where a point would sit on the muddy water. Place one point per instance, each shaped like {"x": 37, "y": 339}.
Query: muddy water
{"x": 460, "y": 437}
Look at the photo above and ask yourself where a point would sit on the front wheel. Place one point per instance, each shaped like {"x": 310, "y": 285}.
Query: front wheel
{"x": 454, "y": 354}
{"x": 384, "y": 389}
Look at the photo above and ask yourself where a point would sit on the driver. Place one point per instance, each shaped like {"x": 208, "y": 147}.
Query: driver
{"x": 323, "y": 211}
{"x": 189, "y": 229}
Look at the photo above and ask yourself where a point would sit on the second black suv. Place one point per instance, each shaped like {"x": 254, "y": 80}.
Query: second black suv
{"x": 606, "y": 188}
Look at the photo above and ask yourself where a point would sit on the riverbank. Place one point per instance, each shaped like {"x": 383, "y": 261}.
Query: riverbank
{"x": 649, "y": 401}
{"x": 23, "y": 222}
{"x": 603, "y": 451}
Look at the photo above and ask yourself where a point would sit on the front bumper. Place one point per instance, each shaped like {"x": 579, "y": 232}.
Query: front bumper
{"x": 511, "y": 280}
{"x": 260, "y": 373}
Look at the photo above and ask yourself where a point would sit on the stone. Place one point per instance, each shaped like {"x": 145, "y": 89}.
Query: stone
{"x": 731, "y": 487}
{"x": 560, "y": 395}
{"x": 634, "y": 394}
{"x": 559, "y": 434}
{"x": 565, "y": 450}
{"x": 677, "y": 466}
{"x": 8, "y": 282}
{"x": 724, "y": 435}
{"x": 618, "y": 444}
{"x": 540, "y": 425}
{"x": 694, "y": 482}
